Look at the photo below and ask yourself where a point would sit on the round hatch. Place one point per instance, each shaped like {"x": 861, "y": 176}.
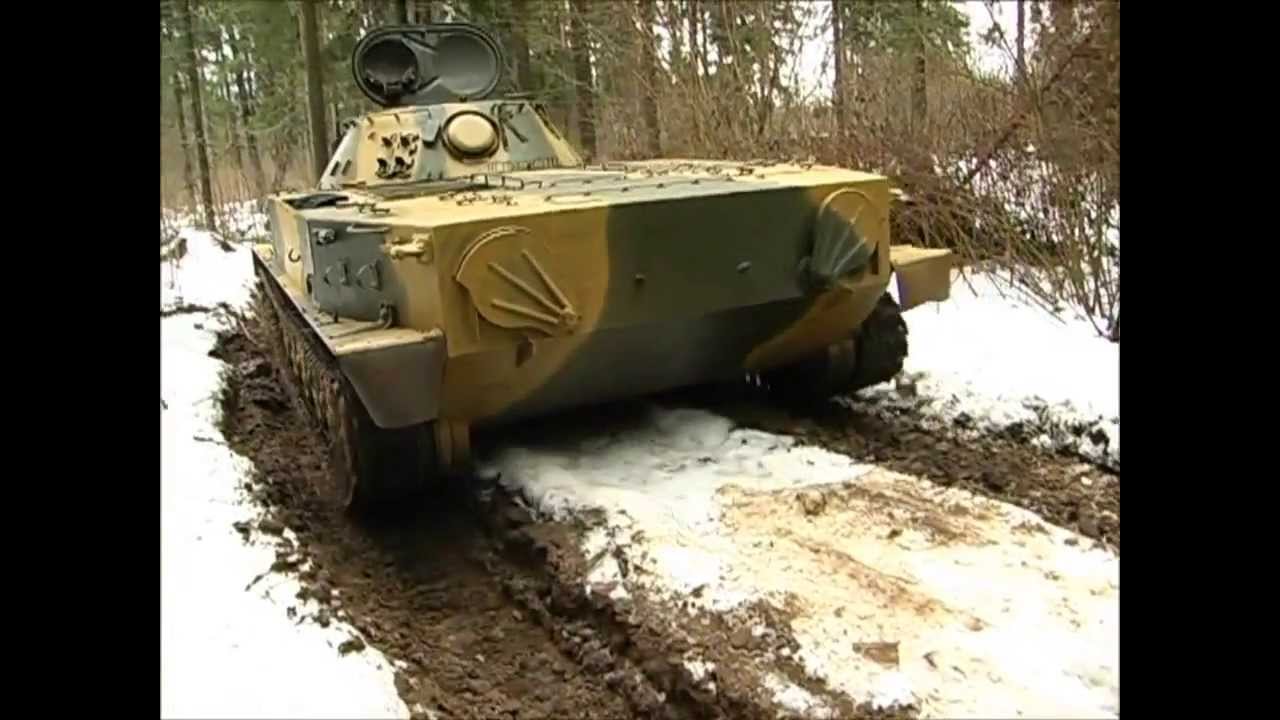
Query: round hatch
{"x": 471, "y": 134}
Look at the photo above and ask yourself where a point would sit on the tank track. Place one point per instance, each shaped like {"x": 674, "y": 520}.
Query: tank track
{"x": 872, "y": 355}
{"x": 881, "y": 343}
{"x": 369, "y": 467}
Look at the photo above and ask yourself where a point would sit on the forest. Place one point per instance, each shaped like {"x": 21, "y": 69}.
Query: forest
{"x": 1014, "y": 164}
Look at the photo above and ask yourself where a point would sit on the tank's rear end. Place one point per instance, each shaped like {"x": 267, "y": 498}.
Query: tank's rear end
{"x": 616, "y": 284}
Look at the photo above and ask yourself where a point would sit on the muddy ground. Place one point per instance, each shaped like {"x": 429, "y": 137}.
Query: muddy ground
{"x": 482, "y": 609}
{"x": 1060, "y": 488}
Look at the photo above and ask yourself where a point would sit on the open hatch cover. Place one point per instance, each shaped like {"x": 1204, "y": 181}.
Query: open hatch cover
{"x": 427, "y": 64}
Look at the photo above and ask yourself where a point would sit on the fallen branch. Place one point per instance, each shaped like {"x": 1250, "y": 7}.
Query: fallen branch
{"x": 184, "y": 309}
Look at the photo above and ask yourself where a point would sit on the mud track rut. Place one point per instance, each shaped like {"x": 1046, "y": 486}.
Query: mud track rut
{"x": 482, "y": 609}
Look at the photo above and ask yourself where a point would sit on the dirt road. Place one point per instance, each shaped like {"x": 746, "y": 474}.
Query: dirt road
{"x": 483, "y": 610}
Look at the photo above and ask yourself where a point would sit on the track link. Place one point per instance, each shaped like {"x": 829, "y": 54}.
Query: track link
{"x": 369, "y": 467}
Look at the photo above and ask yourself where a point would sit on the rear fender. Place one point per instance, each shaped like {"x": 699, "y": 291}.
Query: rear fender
{"x": 923, "y": 274}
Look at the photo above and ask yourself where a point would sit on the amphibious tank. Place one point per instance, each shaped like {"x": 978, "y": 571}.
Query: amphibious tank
{"x": 459, "y": 267}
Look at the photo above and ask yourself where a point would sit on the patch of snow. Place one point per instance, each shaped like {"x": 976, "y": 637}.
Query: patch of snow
{"x": 207, "y": 274}
{"x": 605, "y": 572}
{"x": 796, "y": 699}
{"x": 419, "y": 709}
{"x": 698, "y": 669}
{"x": 892, "y": 690}
{"x": 662, "y": 478}
{"x": 993, "y": 611}
{"x": 226, "y": 651}
{"x": 987, "y": 359}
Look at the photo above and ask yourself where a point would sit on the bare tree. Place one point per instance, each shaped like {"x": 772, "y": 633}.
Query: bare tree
{"x": 246, "y": 114}
{"x": 520, "y": 23}
{"x": 584, "y": 88}
{"x": 837, "y": 83}
{"x": 188, "y": 177}
{"x": 233, "y": 120}
{"x": 315, "y": 88}
{"x": 649, "y": 91}
{"x": 919, "y": 87}
{"x": 697, "y": 41}
{"x": 197, "y": 115}
{"x": 1022, "y": 42}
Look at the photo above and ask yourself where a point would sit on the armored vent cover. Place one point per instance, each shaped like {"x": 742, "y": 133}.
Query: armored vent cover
{"x": 427, "y": 64}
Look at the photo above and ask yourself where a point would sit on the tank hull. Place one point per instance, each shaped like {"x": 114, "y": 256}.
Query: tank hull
{"x": 559, "y": 289}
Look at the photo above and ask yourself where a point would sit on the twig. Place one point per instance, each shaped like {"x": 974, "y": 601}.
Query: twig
{"x": 183, "y": 309}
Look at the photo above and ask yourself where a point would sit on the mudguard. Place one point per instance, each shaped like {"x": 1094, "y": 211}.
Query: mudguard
{"x": 397, "y": 372}
{"x": 923, "y": 274}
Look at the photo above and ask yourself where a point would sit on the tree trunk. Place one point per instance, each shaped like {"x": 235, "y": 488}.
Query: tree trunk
{"x": 919, "y": 96}
{"x": 837, "y": 83}
{"x": 171, "y": 32}
{"x": 250, "y": 139}
{"x": 315, "y": 89}
{"x": 188, "y": 177}
{"x": 696, "y": 45}
{"x": 584, "y": 89}
{"x": 675, "y": 31}
{"x": 1022, "y": 42}
{"x": 649, "y": 93}
{"x": 520, "y": 45}
{"x": 246, "y": 120}
{"x": 197, "y": 116}
{"x": 722, "y": 29}
{"x": 233, "y": 123}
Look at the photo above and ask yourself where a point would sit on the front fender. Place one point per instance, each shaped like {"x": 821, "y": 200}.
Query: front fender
{"x": 398, "y": 375}
{"x": 397, "y": 372}
{"x": 923, "y": 274}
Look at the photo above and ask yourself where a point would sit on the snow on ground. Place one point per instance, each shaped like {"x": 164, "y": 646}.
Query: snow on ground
{"x": 988, "y": 360}
{"x": 226, "y": 651}
{"x": 241, "y": 220}
{"x": 207, "y": 274}
{"x": 993, "y": 612}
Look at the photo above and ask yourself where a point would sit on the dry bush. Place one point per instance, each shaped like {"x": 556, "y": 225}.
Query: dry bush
{"x": 1018, "y": 174}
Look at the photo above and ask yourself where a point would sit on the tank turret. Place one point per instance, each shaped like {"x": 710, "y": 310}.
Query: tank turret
{"x": 440, "y": 120}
